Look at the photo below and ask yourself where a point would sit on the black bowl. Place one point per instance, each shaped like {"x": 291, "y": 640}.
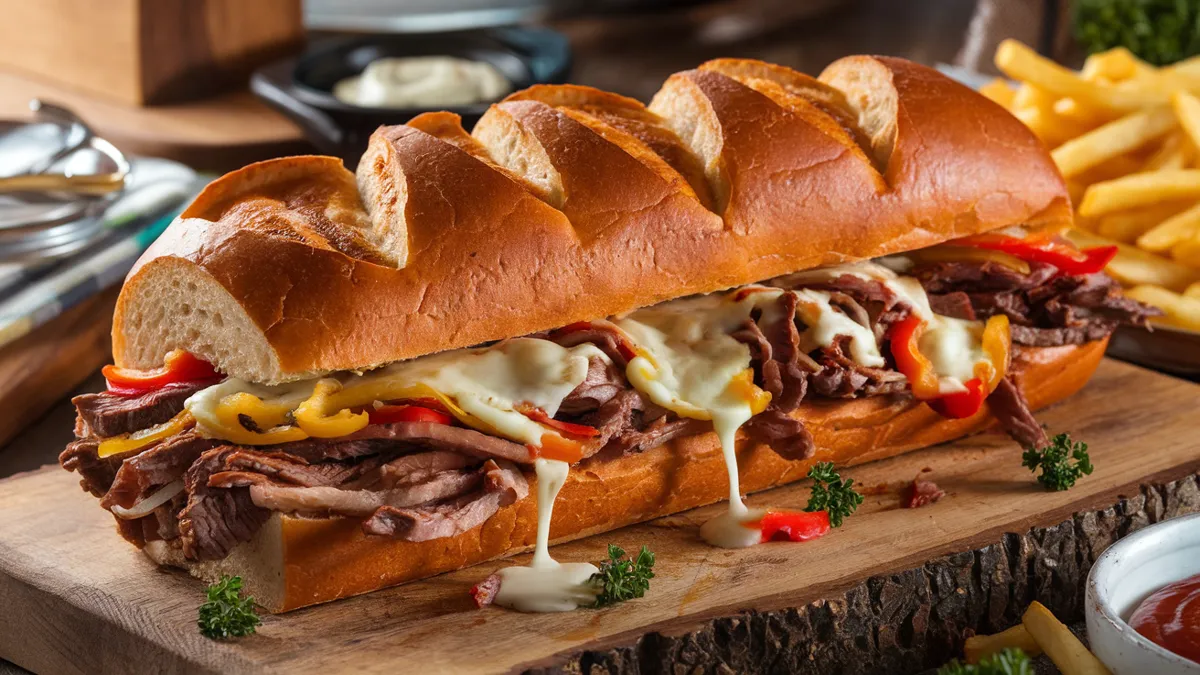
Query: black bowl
{"x": 302, "y": 87}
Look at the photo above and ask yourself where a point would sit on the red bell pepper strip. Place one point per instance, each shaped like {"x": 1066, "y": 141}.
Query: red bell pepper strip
{"x": 407, "y": 413}
{"x": 538, "y": 415}
{"x": 794, "y": 525}
{"x": 903, "y": 336}
{"x": 1066, "y": 258}
{"x": 178, "y": 366}
{"x": 961, "y": 404}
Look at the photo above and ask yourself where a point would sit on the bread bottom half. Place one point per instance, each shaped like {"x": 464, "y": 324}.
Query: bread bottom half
{"x": 295, "y": 562}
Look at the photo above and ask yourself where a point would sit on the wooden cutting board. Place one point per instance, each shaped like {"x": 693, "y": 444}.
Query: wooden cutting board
{"x": 78, "y": 599}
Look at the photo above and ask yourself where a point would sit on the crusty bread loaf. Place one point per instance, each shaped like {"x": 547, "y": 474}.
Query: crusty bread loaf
{"x": 569, "y": 204}
{"x": 295, "y": 562}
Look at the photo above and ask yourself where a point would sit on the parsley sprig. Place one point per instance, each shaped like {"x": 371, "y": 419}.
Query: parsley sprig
{"x": 1010, "y": 661}
{"x": 226, "y": 613}
{"x": 1062, "y": 462}
{"x": 830, "y": 493}
{"x": 622, "y": 578}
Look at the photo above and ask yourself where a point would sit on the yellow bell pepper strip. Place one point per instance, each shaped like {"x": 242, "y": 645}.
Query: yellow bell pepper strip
{"x": 313, "y": 418}
{"x": 557, "y": 447}
{"x": 118, "y": 445}
{"x": 904, "y": 336}
{"x": 178, "y": 366}
{"x": 997, "y": 344}
{"x": 232, "y": 408}
{"x": 742, "y": 386}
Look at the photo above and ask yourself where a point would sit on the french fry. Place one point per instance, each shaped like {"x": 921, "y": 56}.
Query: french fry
{"x": 1187, "y": 108}
{"x": 1113, "y": 139}
{"x": 1029, "y": 96}
{"x": 1113, "y": 65}
{"x": 1022, "y": 63}
{"x": 1181, "y": 311}
{"x": 1059, "y": 643}
{"x": 1000, "y": 91}
{"x": 1127, "y": 226}
{"x": 1167, "y": 234}
{"x": 980, "y": 646}
{"x": 1134, "y": 267}
{"x": 1188, "y": 252}
{"x": 1192, "y": 291}
{"x": 1140, "y": 189}
{"x": 1175, "y": 152}
{"x": 1047, "y": 126}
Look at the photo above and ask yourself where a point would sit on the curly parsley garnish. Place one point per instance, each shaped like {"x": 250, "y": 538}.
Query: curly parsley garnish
{"x": 1010, "y": 661}
{"x": 830, "y": 493}
{"x": 1062, "y": 462}
{"x": 622, "y": 578}
{"x": 226, "y": 613}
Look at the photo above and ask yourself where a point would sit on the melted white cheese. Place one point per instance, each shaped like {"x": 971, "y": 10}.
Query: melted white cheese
{"x": 487, "y": 383}
{"x": 546, "y": 585}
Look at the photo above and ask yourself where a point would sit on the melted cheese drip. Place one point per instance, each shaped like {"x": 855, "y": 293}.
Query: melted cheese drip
{"x": 689, "y": 363}
{"x": 546, "y": 585}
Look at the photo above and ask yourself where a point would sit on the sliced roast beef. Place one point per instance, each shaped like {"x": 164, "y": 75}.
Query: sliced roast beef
{"x": 362, "y": 503}
{"x": 291, "y": 469}
{"x": 1044, "y": 308}
{"x": 786, "y": 435}
{"x": 415, "y": 467}
{"x": 1009, "y": 407}
{"x": 603, "y": 381}
{"x": 153, "y": 468}
{"x": 654, "y": 434}
{"x": 843, "y": 377}
{"x": 604, "y": 334}
{"x": 956, "y": 304}
{"x": 786, "y": 374}
{"x": 216, "y": 519}
{"x": 503, "y": 484}
{"x": 976, "y": 277}
{"x": 434, "y": 436}
{"x": 95, "y": 475}
{"x": 107, "y": 414}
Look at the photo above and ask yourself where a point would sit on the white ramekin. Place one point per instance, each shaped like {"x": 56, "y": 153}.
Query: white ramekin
{"x": 1122, "y": 577}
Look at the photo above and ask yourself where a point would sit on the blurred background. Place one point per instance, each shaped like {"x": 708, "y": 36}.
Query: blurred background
{"x": 114, "y": 114}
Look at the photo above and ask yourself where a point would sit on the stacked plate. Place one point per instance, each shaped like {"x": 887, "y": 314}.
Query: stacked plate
{"x": 56, "y": 180}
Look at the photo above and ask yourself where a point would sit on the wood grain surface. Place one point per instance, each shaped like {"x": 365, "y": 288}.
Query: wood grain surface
{"x": 91, "y": 603}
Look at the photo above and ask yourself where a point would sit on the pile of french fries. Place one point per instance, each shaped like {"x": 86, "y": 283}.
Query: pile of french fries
{"x": 1126, "y": 136}
{"x": 1039, "y": 632}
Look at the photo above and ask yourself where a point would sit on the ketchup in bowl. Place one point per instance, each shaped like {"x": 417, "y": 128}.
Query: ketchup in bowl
{"x": 1170, "y": 618}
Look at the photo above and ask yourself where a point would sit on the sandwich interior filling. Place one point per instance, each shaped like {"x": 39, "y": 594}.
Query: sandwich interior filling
{"x": 433, "y": 447}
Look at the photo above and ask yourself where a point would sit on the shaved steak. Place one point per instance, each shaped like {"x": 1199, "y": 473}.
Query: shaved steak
{"x": 503, "y": 484}
{"x": 108, "y": 414}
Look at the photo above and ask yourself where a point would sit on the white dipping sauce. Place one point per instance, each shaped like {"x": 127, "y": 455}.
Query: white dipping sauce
{"x": 423, "y": 81}
{"x": 546, "y": 585}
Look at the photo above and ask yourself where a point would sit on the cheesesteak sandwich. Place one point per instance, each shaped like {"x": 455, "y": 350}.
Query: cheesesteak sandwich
{"x": 329, "y": 384}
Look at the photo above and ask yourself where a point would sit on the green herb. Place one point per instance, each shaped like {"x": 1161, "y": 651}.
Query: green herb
{"x": 1061, "y": 462}
{"x": 227, "y": 614}
{"x": 1010, "y": 661}
{"x": 621, "y": 578}
{"x": 830, "y": 493}
{"x": 1159, "y": 31}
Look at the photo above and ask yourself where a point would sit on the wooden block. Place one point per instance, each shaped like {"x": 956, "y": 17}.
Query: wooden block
{"x": 40, "y": 368}
{"x": 90, "y": 602}
{"x": 147, "y": 51}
